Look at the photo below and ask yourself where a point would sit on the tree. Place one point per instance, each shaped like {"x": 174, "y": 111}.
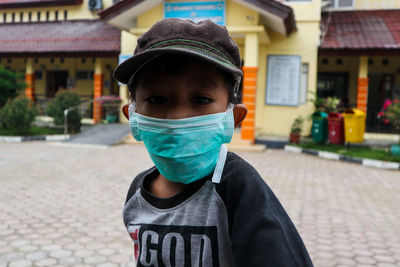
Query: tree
{"x": 18, "y": 114}
{"x": 11, "y": 84}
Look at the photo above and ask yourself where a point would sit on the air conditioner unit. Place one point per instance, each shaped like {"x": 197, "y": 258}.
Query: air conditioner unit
{"x": 95, "y": 4}
{"x": 344, "y": 3}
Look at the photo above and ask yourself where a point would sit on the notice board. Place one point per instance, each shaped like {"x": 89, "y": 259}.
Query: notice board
{"x": 283, "y": 80}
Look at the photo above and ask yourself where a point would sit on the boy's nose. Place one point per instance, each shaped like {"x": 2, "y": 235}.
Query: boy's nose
{"x": 178, "y": 113}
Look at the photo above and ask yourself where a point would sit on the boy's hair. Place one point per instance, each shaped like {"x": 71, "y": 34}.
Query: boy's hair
{"x": 173, "y": 65}
{"x": 205, "y": 41}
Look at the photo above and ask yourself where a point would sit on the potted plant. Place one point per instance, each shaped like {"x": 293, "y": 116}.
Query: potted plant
{"x": 110, "y": 103}
{"x": 296, "y": 129}
{"x": 392, "y": 115}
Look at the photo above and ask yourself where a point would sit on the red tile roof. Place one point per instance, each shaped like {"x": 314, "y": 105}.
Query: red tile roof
{"x": 71, "y": 37}
{"x": 361, "y": 30}
{"x": 36, "y": 3}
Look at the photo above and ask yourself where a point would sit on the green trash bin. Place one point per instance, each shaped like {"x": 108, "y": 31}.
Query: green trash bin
{"x": 319, "y": 129}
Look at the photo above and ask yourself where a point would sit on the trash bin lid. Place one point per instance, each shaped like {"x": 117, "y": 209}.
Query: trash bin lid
{"x": 320, "y": 114}
{"x": 335, "y": 115}
{"x": 354, "y": 112}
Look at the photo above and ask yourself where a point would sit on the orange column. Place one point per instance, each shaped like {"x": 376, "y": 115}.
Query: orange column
{"x": 249, "y": 100}
{"x": 98, "y": 91}
{"x": 30, "y": 86}
{"x": 362, "y": 94}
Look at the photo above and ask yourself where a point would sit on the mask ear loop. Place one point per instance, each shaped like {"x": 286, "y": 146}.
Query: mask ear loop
{"x": 219, "y": 168}
{"x": 132, "y": 108}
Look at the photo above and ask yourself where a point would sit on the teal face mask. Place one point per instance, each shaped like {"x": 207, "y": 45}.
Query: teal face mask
{"x": 185, "y": 150}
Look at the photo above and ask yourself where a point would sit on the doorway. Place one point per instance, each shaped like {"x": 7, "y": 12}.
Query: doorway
{"x": 380, "y": 87}
{"x": 56, "y": 79}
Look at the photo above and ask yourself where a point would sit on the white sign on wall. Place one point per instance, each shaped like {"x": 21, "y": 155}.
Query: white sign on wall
{"x": 196, "y": 11}
{"x": 283, "y": 80}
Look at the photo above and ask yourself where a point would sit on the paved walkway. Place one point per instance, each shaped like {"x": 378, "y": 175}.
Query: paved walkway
{"x": 61, "y": 205}
{"x": 100, "y": 134}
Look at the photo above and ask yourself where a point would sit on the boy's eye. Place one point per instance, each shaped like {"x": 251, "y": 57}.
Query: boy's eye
{"x": 156, "y": 100}
{"x": 202, "y": 100}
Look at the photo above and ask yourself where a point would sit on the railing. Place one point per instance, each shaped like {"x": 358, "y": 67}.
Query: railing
{"x": 85, "y": 108}
{"x": 41, "y": 105}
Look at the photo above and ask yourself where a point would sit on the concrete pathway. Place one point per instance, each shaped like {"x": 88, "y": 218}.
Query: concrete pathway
{"x": 61, "y": 205}
{"x": 100, "y": 134}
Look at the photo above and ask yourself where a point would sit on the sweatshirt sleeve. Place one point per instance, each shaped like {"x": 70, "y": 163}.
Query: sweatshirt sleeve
{"x": 261, "y": 232}
{"x": 137, "y": 182}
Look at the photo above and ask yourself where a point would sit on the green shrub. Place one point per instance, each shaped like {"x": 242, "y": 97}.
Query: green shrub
{"x": 18, "y": 114}
{"x": 62, "y": 101}
{"x": 11, "y": 84}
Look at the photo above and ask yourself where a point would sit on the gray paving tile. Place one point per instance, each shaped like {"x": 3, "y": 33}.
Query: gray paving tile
{"x": 347, "y": 214}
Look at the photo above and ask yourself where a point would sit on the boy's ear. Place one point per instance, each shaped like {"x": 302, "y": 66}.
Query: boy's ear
{"x": 239, "y": 113}
{"x": 125, "y": 110}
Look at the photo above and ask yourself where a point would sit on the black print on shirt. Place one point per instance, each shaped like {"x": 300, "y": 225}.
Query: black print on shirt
{"x": 175, "y": 246}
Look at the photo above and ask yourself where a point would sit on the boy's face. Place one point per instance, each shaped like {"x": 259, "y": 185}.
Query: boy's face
{"x": 199, "y": 89}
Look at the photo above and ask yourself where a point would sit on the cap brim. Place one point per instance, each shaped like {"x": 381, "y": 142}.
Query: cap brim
{"x": 126, "y": 69}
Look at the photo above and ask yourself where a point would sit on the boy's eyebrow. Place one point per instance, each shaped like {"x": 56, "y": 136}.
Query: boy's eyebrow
{"x": 148, "y": 81}
{"x": 204, "y": 81}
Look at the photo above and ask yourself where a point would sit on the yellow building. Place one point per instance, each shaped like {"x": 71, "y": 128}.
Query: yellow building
{"x": 59, "y": 44}
{"x": 274, "y": 37}
{"x": 343, "y": 48}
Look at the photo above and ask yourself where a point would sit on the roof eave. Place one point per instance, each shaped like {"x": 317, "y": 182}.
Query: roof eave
{"x": 40, "y": 4}
{"x": 275, "y": 15}
{"x": 378, "y": 51}
{"x": 267, "y": 8}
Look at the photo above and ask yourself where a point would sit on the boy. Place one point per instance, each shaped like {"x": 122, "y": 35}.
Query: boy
{"x": 199, "y": 205}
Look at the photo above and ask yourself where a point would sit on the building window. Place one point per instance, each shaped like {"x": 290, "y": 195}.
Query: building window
{"x": 56, "y": 15}
{"x": 65, "y": 14}
{"x": 38, "y": 74}
{"x": 21, "y": 17}
{"x": 304, "y": 84}
{"x": 13, "y": 17}
{"x": 5, "y": 17}
{"x": 343, "y": 3}
{"x": 38, "y": 16}
{"x": 30, "y": 16}
{"x": 47, "y": 15}
{"x": 84, "y": 75}
{"x": 333, "y": 84}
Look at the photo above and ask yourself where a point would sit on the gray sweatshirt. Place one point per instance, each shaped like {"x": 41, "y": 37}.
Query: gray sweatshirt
{"x": 236, "y": 222}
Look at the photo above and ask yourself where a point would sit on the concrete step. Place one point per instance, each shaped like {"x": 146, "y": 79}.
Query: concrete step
{"x": 238, "y": 144}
